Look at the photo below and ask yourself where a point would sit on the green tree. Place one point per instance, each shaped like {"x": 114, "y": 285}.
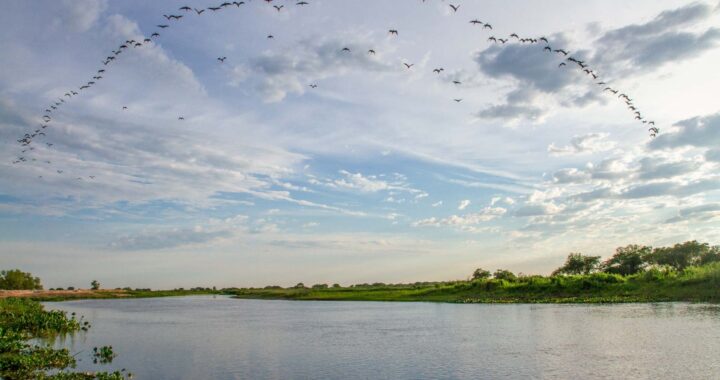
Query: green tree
{"x": 320, "y": 286}
{"x": 299, "y": 285}
{"x": 577, "y": 263}
{"x": 502, "y": 274}
{"x": 15, "y": 279}
{"x": 480, "y": 274}
{"x": 628, "y": 260}
{"x": 95, "y": 285}
{"x": 682, "y": 255}
{"x": 711, "y": 256}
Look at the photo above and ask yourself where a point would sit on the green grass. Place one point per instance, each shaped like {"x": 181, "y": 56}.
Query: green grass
{"x": 694, "y": 284}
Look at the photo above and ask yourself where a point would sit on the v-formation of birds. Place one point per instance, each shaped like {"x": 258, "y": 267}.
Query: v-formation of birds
{"x": 27, "y": 141}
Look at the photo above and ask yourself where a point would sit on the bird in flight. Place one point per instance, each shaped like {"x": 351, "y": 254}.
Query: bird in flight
{"x": 371, "y": 51}
{"x": 185, "y": 8}
{"x": 475, "y": 21}
{"x": 393, "y": 32}
{"x": 313, "y": 85}
{"x": 408, "y": 65}
{"x": 124, "y": 107}
{"x": 222, "y": 59}
{"x": 457, "y": 82}
{"x": 163, "y": 26}
{"x": 199, "y": 11}
{"x": 454, "y": 7}
{"x": 278, "y": 7}
{"x": 270, "y": 36}
{"x": 458, "y": 100}
{"x": 181, "y": 118}
{"x": 346, "y": 49}
{"x": 438, "y": 70}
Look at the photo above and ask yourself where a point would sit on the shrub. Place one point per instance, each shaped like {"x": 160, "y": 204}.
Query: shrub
{"x": 16, "y": 279}
{"x": 502, "y": 274}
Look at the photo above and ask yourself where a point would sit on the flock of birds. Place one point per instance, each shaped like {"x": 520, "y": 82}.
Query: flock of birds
{"x": 28, "y": 143}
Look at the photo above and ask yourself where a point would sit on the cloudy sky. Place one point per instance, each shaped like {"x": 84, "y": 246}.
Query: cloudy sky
{"x": 377, "y": 174}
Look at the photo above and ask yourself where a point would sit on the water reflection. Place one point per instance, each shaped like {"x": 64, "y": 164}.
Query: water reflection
{"x": 206, "y": 337}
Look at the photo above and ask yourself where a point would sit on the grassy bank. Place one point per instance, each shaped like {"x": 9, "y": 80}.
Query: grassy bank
{"x": 694, "y": 284}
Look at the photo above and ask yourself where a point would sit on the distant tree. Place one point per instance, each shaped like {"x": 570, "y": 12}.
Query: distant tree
{"x": 502, "y": 274}
{"x": 15, "y": 279}
{"x": 480, "y": 274}
{"x": 711, "y": 256}
{"x": 577, "y": 263}
{"x": 95, "y": 285}
{"x": 682, "y": 255}
{"x": 336, "y": 285}
{"x": 299, "y": 285}
{"x": 320, "y": 286}
{"x": 628, "y": 260}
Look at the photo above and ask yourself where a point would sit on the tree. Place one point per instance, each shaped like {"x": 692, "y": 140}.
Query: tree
{"x": 681, "y": 256}
{"x": 711, "y": 256}
{"x": 299, "y": 285}
{"x": 628, "y": 260}
{"x": 480, "y": 274}
{"x": 577, "y": 263}
{"x": 95, "y": 285}
{"x": 502, "y": 274}
{"x": 15, "y": 279}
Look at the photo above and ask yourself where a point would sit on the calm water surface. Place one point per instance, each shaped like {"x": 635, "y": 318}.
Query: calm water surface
{"x": 221, "y": 338}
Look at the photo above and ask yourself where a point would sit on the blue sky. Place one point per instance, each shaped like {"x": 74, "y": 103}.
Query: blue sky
{"x": 377, "y": 174}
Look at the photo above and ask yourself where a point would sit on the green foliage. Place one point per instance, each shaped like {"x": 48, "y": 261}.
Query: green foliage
{"x": 23, "y": 321}
{"x": 103, "y": 355}
{"x": 681, "y": 256}
{"x": 95, "y": 285}
{"x": 16, "y": 279}
{"x": 577, "y": 263}
{"x": 502, "y": 274}
{"x": 480, "y": 274}
{"x": 320, "y": 286}
{"x": 628, "y": 260}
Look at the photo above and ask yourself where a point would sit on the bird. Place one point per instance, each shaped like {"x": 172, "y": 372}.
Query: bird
{"x": 181, "y": 118}
{"x": 124, "y": 107}
{"x": 185, "y": 8}
{"x": 278, "y": 7}
{"x": 454, "y": 7}
{"x": 302, "y": 3}
{"x": 438, "y": 70}
{"x": 456, "y": 82}
{"x": 313, "y": 85}
{"x": 544, "y": 39}
{"x": 345, "y": 49}
{"x": 475, "y": 21}
{"x": 562, "y": 64}
{"x": 408, "y": 65}
{"x": 458, "y": 100}
{"x": 222, "y": 59}
{"x": 163, "y": 26}
{"x": 547, "y": 48}
{"x": 393, "y": 32}
{"x": 214, "y": 8}
{"x": 238, "y": 3}
{"x": 561, "y": 51}
{"x": 269, "y": 36}
{"x": 199, "y": 11}
{"x": 492, "y": 38}
{"x": 487, "y": 26}
{"x": 371, "y": 51}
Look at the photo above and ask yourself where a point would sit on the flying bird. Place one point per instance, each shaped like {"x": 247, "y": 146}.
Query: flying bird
{"x": 345, "y": 49}
{"x": 222, "y": 59}
{"x": 199, "y": 11}
{"x": 458, "y": 100}
{"x": 393, "y": 32}
{"x": 313, "y": 85}
{"x": 371, "y": 51}
{"x": 161, "y": 27}
{"x": 454, "y": 7}
{"x": 185, "y": 8}
{"x": 438, "y": 70}
{"x": 408, "y": 65}
{"x": 278, "y": 7}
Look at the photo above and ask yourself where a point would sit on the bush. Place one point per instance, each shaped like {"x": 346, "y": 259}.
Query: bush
{"x": 577, "y": 263}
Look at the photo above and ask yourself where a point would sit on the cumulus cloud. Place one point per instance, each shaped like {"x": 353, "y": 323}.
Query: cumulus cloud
{"x": 642, "y": 47}
{"x": 695, "y": 132}
{"x": 589, "y": 143}
{"x": 702, "y": 213}
{"x": 289, "y": 71}
{"x": 81, "y": 15}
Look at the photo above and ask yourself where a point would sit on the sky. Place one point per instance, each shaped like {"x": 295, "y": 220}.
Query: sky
{"x": 380, "y": 172}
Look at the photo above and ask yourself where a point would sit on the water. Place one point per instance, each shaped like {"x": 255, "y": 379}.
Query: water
{"x": 222, "y": 338}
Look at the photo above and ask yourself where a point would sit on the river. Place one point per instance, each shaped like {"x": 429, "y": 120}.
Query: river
{"x": 206, "y": 337}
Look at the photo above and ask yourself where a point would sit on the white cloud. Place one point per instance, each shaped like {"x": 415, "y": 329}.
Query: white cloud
{"x": 589, "y": 143}
{"x": 463, "y": 204}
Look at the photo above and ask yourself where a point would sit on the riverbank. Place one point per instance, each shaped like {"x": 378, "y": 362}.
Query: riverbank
{"x": 64, "y": 295}
{"x": 695, "y": 284}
